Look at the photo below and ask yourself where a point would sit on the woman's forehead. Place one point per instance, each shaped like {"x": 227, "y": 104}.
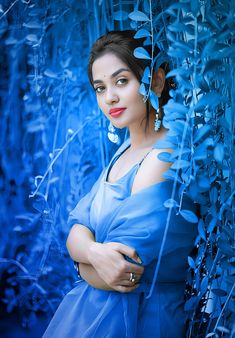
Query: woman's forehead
{"x": 106, "y": 65}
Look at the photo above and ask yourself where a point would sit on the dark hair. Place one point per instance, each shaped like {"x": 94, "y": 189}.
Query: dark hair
{"x": 122, "y": 44}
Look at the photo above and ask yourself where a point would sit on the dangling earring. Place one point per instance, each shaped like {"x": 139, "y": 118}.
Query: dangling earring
{"x": 112, "y": 136}
{"x": 158, "y": 121}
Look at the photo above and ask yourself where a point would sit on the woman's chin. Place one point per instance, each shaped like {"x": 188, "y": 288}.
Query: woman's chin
{"x": 120, "y": 125}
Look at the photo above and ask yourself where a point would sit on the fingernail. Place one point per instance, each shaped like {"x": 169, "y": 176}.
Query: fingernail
{"x": 139, "y": 260}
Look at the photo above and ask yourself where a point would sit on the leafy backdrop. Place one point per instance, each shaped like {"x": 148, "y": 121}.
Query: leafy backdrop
{"x": 53, "y": 141}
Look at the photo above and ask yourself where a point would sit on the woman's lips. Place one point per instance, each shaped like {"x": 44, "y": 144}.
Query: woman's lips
{"x": 115, "y": 112}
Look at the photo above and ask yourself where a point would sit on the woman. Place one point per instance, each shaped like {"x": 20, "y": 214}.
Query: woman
{"x": 117, "y": 229}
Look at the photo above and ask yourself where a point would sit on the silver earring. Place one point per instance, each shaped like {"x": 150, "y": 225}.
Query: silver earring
{"x": 112, "y": 136}
{"x": 158, "y": 121}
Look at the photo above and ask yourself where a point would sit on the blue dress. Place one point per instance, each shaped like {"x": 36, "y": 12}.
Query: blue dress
{"x": 140, "y": 221}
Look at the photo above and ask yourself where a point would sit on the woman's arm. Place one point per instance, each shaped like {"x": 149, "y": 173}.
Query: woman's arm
{"x": 89, "y": 274}
{"x": 107, "y": 260}
{"x": 78, "y": 242}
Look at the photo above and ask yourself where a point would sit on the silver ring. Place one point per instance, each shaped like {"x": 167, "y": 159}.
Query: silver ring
{"x": 132, "y": 277}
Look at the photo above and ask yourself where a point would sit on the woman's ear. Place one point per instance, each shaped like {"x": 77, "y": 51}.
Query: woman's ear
{"x": 158, "y": 81}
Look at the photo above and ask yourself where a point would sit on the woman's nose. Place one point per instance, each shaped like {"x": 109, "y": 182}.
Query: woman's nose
{"x": 111, "y": 96}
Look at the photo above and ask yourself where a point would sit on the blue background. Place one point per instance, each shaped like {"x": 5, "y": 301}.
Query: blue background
{"x": 53, "y": 145}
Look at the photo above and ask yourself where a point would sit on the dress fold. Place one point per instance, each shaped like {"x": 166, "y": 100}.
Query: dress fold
{"x": 112, "y": 214}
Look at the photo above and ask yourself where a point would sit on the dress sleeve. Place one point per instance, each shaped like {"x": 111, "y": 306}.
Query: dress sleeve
{"x": 142, "y": 220}
{"x": 81, "y": 213}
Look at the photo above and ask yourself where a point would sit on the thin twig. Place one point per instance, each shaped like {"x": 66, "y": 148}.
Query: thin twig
{"x": 225, "y": 304}
{"x": 5, "y": 13}
{"x": 57, "y": 156}
{"x": 152, "y": 51}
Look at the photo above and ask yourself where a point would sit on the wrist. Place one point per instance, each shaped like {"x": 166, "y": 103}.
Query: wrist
{"x": 92, "y": 251}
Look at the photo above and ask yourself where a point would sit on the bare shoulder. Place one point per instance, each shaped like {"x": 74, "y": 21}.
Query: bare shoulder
{"x": 151, "y": 171}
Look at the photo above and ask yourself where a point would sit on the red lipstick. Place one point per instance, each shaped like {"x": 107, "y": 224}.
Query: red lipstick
{"x": 115, "y": 112}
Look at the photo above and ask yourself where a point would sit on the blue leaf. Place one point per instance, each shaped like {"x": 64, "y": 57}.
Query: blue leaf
{"x": 160, "y": 59}
{"x": 212, "y": 224}
{"x": 138, "y": 16}
{"x": 171, "y": 175}
{"x": 170, "y": 203}
{"x": 211, "y": 334}
{"x": 202, "y": 132}
{"x": 201, "y": 82}
{"x": 153, "y": 100}
{"x": 175, "y": 52}
{"x": 189, "y": 216}
{"x": 213, "y": 20}
{"x": 201, "y": 229}
{"x": 204, "y": 285}
{"x": 195, "y": 6}
{"x": 228, "y": 52}
{"x": 141, "y": 53}
{"x": 142, "y": 89}
{"x": 191, "y": 303}
{"x": 183, "y": 46}
{"x": 134, "y": 25}
{"x": 226, "y": 249}
{"x": 32, "y": 38}
{"x": 200, "y": 152}
{"x": 219, "y": 292}
{"x": 142, "y": 33}
{"x": 191, "y": 263}
{"x": 211, "y": 99}
{"x": 10, "y": 41}
{"x": 146, "y": 75}
{"x": 180, "y": 5}
{"x": 164, "y": 156}
{"x": 120, "y": 15}
{"x": 212, "y": 65}
{"x": 204, "y": 182}
{"x": 223, "y": 329}
{"x": 173, "y": 106}
{"x": 219, "y": 152}
{"x": 177, "y": 71}
{"x": 33, "y": 24}
{"x": 177, "y": 27}
{"x": 163, "y": 144}
{"x": 146, "y": 6}
{"x": 179, "y": 164}
{"x": 51, "y": 74}
{"x": 147, "y": 42}
{"x": 181, "y": 152}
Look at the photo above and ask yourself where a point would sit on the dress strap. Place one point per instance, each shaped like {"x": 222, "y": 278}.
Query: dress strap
{"x": 144, "y": 157}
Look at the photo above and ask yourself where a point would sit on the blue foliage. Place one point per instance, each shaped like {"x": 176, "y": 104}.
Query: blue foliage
{"x": 54, "y": 141}
{"x": 200, "y": 122}
{"x": 53, "y": 146}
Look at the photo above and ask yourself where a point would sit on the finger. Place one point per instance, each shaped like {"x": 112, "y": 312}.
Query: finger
{"x": 129, "y": 252}
{"x": 128, "y": 282}
{"x": 134, "y": 268}
{"x": 130, "y": 275}
{"x": 126, "y": 289}
{"x": 129, "y": 278}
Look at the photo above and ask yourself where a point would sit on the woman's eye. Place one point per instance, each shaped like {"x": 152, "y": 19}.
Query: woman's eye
{"x": 121, "y": 81}
{"x": 99, "y": 89}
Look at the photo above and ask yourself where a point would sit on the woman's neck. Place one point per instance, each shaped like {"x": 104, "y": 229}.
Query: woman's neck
{"x": 141, "y": 137}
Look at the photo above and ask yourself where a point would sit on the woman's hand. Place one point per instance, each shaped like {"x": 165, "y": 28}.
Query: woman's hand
{"x": 90, "y": 275}
{"x": 112, "y": 267}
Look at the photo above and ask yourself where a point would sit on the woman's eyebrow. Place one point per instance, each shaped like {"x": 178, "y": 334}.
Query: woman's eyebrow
{"x": 114, "y": 74}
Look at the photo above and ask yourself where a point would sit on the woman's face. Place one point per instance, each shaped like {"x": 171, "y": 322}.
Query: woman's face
{"x": 117, "y": 91}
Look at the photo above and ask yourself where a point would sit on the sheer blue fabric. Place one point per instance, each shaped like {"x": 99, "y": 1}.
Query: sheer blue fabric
{"x": 137, "y": 220}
